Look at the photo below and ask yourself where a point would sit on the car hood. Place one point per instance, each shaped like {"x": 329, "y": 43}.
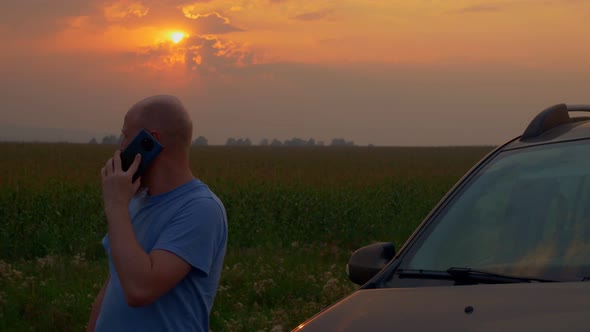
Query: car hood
{"x": 508, "y": 307}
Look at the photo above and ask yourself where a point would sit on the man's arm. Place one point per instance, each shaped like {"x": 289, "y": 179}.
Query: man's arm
{"x": 144, "y": 277}
{"x": 96, "y": 307}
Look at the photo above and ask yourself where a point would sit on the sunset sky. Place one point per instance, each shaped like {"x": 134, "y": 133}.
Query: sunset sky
{"x": 386, "y": 72}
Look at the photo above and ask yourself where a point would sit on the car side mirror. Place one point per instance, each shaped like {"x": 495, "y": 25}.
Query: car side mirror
{"x": 367, "y": 261}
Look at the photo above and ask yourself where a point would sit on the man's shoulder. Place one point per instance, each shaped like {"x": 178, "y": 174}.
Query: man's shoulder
{"x": 199, "y": 193}
{"x": 204, "y": 206}
{"x": 201, "y": 200}
{"x": 196, "y": 188}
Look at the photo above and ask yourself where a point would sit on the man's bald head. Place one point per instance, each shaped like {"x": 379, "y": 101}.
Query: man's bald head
{"x": 166, "y": 115}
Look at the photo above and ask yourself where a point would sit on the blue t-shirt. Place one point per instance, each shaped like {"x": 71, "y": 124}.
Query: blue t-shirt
{"x": 189, "y": 221}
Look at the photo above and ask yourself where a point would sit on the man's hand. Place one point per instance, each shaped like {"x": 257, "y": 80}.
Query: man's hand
{"x": 117, "y": 188}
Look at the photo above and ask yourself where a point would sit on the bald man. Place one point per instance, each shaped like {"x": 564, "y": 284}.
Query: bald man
{"x": 167, "y": 232}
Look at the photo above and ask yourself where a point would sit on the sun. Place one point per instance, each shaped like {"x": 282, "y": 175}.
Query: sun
{"x": 177, "y": 37}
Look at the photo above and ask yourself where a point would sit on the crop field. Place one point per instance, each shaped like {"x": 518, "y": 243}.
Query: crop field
{"x": 295, "y": 216}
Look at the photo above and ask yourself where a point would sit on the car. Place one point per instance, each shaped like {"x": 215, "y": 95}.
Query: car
{"x": 506, "y": 249}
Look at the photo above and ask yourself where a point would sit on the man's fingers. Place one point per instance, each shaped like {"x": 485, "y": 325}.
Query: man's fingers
{"x": 117, "y": 161}
{"x": 136, "y": 184}
{"x": 108, "y": 167}
{"x": 103, "y": 172}
{"x": 133, "y": 168}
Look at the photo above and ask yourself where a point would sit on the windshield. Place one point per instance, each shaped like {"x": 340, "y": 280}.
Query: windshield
{"x": 526, "y": 214}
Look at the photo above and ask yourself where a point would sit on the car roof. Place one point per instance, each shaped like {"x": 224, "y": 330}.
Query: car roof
{"x": 554, "y": 124}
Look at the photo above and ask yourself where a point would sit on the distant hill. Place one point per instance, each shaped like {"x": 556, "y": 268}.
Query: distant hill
{"x": 32, "y": 134}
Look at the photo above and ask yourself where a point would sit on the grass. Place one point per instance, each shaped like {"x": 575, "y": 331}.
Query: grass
{"x": 295, "y": 216}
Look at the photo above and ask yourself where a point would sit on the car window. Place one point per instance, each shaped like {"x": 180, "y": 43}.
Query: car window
{"x": 526, "y": 214}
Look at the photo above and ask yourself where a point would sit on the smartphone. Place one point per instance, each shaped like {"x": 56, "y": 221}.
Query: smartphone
{"x": 146, "y": 145}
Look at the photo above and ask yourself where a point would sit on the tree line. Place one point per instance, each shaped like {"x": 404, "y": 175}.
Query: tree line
{"x": 203, "y": 141}
{"x": 296, "y": 141}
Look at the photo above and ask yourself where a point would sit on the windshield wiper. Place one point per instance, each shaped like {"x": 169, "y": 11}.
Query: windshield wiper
{"x": 465, "y": 275}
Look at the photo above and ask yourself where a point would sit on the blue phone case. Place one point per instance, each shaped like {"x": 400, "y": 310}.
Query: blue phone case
{"x": 146, "y": 145}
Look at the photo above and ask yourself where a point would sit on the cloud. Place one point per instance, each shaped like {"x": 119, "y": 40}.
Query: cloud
{"x": 209, "y": 55}
{"x": 198, "y": 54}
{"x": 213, "y": 23}
{"x": 44, "y": 18}
{"x": 50, "y": 17}
{"x": 313, "y": 16}
{"x": 481, "y": 8}
{"x": 568, "y": 2}
{"x": 496, "y": 7}
{"x": 137, "y": 14}
{"x": 121, "y": 10}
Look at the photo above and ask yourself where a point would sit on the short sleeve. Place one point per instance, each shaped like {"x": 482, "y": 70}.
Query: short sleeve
{"x": 196, "y": 234}
{"x": 106, "y": 244}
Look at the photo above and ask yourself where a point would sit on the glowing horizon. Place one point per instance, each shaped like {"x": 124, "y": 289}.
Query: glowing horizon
{"x": 270, "y": 68}
{"x": 353, "y": 31}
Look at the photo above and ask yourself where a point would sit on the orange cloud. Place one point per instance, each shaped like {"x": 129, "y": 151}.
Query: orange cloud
{"x": 313, "y": 16}
{"x": 416, "y": 31}
{"x": 121, "y": 10}
{"x": 209, "y": 55}
{"x": 201, "y": 55}
{"x": 212, "y": 23}
{"x": 78, "y": 22}
{"x": 481, "y": 8}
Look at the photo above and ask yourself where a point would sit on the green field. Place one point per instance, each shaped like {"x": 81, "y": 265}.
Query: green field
{"x": 295, "y": 216}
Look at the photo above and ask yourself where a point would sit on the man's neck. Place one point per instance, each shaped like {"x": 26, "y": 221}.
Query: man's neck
{"x": 161, "y": 180}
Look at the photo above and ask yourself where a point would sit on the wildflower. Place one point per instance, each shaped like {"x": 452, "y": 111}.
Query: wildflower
{"x": 261, "y": 285}
{"x": 277, "y": 328}
{"x": 330, "y": 287}
{"x": 79, "y": 260}
{"x": 47, "y": 261}
{"x": 16, "y": 273}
